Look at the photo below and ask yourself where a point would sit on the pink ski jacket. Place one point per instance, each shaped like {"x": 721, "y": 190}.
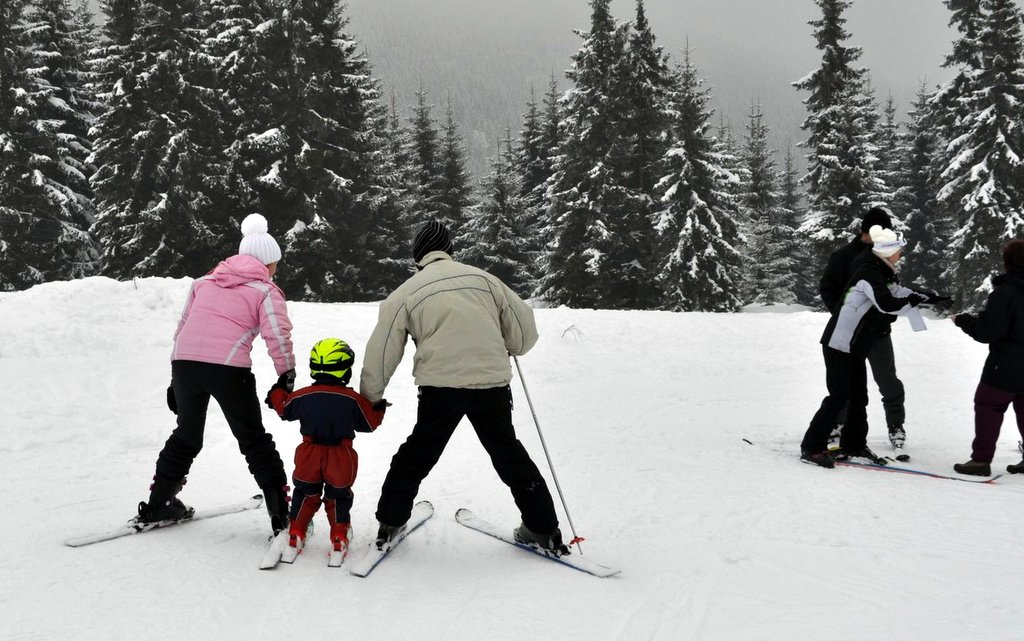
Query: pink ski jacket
{"x": 225, "y": 311}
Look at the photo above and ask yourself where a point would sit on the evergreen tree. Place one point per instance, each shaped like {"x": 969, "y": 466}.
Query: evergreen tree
{"x": 330, "y": 148}
{"x": 155, "y": 149}
{"x": 841, "y": 179}
{"x": 42, "y": 212}
{"x": 388, "y": 247}
{"x": 889, "y": 144}
{"x": 928, "y": 232}
{"x": 770, "y": 258}
{"x": 454, "y": 196}
{"x": 983, "y": 178}
{"x": 425, "y": 164}
{"x": 805, "y": 279}
{"x": 697, "y": 223}
{"x": 600, "y": 252}
{"x": 538, "y": 143}
{"x": 493, "y": 237}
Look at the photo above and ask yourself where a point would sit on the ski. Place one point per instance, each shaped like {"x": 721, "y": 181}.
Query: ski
{"x": 134, "y": 526}
{"x": 898, "y": 469}
{"x": 374, "y": 555}
{"x": 472, "y": 521}
{"x": 336, "y": 558}
{"x": 906, "y": 470}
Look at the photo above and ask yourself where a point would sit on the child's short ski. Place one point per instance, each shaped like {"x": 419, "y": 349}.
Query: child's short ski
{"x": 373, "y": 556}
{"x": 907, "y": 470}
{"x": 134, "y": 526}
{"x": 575, "y": 561}
{"x": 336, "y": 558}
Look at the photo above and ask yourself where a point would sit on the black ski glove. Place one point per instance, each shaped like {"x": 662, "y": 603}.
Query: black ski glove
{"x": 916, "y": 299}
{"x": 936, "y": 299}
{"x": 964, "y": 320}
{"x": 382, "y": 405}
{"x": 172, "y": 403}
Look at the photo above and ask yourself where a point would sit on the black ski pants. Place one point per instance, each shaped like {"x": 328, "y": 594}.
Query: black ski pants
{"x": 847, "y": 381}
{"x": 883, "y": 369}
{"x": 234, "y": 389}
{"x": 490, "y": 412}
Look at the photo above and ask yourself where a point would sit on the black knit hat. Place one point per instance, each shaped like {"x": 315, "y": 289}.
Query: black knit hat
{"x": 432, "y": 236}
{"x": 875, "y": 216}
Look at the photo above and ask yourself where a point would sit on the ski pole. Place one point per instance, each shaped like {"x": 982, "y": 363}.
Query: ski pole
{"x": 575, "y": 538}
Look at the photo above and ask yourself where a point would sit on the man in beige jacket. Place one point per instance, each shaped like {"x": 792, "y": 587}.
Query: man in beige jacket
{"x": 465, "y": 323}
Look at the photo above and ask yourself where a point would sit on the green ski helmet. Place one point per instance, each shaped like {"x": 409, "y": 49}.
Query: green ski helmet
{"x": 332, "y": 357}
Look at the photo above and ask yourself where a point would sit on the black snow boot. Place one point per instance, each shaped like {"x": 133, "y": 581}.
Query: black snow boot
{"x": 277, "y": 507}
{"x": 897, "y": 436}
{"x": 164, "y": 504}
{"x": 824, "y": 459}
{"x": 974, "y": 468}
{"x": 387, "y": 533}
{"x": 1015, "y": 468}
{"x": 550, "y": 543}
{"x": 865, "y": 453}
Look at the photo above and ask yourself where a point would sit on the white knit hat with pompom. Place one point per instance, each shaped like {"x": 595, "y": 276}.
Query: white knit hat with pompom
{"x": 256, "y": 242}
{"x": 885, "y": 242}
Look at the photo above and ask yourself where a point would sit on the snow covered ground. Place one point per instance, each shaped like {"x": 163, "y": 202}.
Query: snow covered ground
{"x": 644, "y": 414}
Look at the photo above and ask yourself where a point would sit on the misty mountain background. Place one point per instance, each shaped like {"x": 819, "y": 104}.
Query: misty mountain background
{"x": 485, "y": 55}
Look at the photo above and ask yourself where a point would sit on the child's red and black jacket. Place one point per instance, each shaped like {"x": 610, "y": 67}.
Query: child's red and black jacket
{"x": 328, "y": 412}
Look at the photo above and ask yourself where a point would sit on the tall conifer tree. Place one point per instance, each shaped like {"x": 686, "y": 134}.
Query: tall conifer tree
{"x": 699, "y": 233}
{"x": 841, "y": 178}
{"x": 43, "y": 210}
{"x": 983, "y": 178}
{"x": 493, "y": 239}
{"x": 770, "y": 258}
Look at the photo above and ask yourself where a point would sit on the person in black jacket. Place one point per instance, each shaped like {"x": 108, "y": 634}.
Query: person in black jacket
{"x": 873, "y": 294}
{"x": 832, "y": 288}
{"x": 1001, "y": 325}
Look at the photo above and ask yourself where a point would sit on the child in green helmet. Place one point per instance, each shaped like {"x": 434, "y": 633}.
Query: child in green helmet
{"x": 329, "y": 414}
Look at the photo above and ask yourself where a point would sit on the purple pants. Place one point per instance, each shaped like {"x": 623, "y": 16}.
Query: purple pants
{"x": 990, "y": 404}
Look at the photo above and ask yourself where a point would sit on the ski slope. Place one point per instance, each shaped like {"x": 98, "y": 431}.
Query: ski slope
{"x": 644, "y": 415}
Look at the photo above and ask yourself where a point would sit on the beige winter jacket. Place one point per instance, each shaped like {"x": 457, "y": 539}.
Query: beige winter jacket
{"x": 465, "y": 324}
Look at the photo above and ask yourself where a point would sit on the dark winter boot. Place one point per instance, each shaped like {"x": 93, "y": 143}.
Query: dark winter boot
{"x": 833, "y": 438}
{"x": 973, "y": 468}
{"x": 550, "y": 543}
{"x": 277, "y": 507}
{"x": 1016, "y": 468}
{"x": 388, "y": 533}
{"x": 864, "y": 453}
{"x": 824, "y": 459}
{"x": 164, "y": 504}
{"x": 897, "y": 436}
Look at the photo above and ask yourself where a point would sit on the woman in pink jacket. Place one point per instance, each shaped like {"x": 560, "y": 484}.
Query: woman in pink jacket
{"x": 225, "y": 311}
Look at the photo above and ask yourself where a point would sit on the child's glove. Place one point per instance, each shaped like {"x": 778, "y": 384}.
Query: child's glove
{"x": 381, "y": 406}
{"x": 172, "y": 403}
{"x": 276, "y": 398}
